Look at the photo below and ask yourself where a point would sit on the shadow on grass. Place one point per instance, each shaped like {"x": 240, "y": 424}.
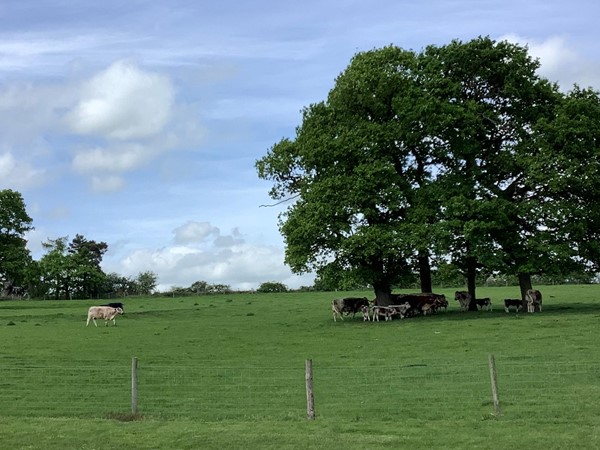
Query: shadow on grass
{"x": 456, "y": 315}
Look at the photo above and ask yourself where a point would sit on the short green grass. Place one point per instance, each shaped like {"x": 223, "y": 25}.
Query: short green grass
{"x": 227, "y": 371}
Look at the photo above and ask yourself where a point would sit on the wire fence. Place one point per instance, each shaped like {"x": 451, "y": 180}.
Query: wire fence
{"x": 427, "y": 391}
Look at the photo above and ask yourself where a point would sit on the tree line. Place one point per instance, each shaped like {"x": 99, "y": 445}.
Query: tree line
{"x": 457, "y": 156}
{"x": 68, "y": 269}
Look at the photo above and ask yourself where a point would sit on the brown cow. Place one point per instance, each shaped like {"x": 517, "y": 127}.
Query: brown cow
{"x": 464, "y": 299}
{"x": 534, "y": 300}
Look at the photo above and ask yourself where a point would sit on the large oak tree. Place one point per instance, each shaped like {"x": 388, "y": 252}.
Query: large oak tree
{"x": 436, "y": 153}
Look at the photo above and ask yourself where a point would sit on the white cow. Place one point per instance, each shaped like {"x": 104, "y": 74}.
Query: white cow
{"x": 103, "y": 312}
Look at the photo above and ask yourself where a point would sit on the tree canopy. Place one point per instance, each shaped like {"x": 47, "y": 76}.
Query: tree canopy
{"x": 428, "y": 156}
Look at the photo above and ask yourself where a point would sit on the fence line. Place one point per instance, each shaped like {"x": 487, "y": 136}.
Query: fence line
{"x": 429, "y": 390}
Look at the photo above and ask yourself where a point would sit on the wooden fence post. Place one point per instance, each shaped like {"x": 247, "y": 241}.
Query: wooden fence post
{"x": 494, "y": 379}
{"x": 134, "y": 390}
{"x": 310, "y": 400}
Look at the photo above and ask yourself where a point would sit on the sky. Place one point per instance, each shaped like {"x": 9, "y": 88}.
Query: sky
{"x": 138, "y": 123}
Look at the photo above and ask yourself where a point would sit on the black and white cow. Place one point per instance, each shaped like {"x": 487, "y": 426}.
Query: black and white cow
{"x": 348, "y": 305}
{"x": 512, "y": 303}
{"x": 484, "y": 303}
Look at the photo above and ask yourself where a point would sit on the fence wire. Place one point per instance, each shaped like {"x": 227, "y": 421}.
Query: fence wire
{"x": 428, "y": 391}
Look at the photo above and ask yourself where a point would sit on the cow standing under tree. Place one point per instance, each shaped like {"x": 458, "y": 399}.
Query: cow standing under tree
{"x": 534, "y": 300}
{"x": 348, "y": 305}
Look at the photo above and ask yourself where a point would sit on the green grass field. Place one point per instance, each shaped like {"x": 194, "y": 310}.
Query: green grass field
{"x": 227, "y": 371}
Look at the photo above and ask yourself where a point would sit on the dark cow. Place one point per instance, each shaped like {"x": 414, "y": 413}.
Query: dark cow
{"x": 512, "y": 303}
{"x": 534, "y": 300}
{"x": 116, "y": 305}
{"x": 420, "y": 303}
{"x": 348, "y": 305}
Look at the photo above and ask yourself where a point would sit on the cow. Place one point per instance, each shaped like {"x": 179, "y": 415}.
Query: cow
{"x": 103, "y": 312}
{"x": 417, "y": 301}
{"x": 512, "y": 303}
{"x": 464, "y": 299}
{"x": 484, "y": 303}
{"x": 116, "y": 305}
{"x": 348, "y": 305}
{"x": 534, "y": 300}
{"x": 365, "y": 312}
{"x": 441, "y": 302}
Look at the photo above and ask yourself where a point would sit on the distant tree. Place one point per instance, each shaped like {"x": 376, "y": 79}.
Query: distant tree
{"x": 220, "y": 288}
{"x": 87, "y": 256}
{"x": 14, "y": 223}
{"x": 200, "y": 287}
{"x": 56, "y": 269}
{"x": 146, "y": 282}
{"x": 272, "y": 286}
{"x": 71, "y": 270}
{"x": 118, "y": 285}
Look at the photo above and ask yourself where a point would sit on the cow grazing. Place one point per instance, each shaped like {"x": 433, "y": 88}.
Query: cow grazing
{"x": 534, "y": 300}
{"x": 103, "y": 312}
{"x": 116, "y": 305}
{"x": 484, "y": 303}
{"x": 464, "y": 299}
{"x": 348, "y": 305}
{"x": 512, "y": 303}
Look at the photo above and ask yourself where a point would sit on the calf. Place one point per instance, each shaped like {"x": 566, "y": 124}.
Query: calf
{"x": 401, "y": 310}
{"x": 534, "y": 300}
{"x": 349, "y": 305}
{"x": 464, "y": 299}
{"x": 484, "y": 303}
{"x": 365, "y": 313}
{"x": 512, "y": 303}
{"x": 103, "y": 312}
{"x": 385, "y": 311}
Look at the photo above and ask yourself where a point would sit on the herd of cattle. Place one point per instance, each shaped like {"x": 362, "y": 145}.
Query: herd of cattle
{"x": 410, "y": 305}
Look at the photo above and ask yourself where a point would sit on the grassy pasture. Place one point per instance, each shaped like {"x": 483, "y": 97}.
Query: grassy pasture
{"x": 227, "y": 371}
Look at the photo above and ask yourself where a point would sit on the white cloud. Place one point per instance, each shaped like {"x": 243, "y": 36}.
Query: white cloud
{"x": 194, "y": 232}
{"x": 123, "y": 102}
{"x": 227, "y": 259}
{"x": 121, "y": 158}
{"x": 19, "y": 175}
{"x": 108, "y": 183}
{"x": 560, "y": 62}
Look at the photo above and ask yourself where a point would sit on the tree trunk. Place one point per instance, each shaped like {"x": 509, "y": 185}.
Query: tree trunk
{"x": 524, "y": 285}
{"x": 471, "y": 278}
{"x": 425, "y": 272}
{"x": 382, "y": 293}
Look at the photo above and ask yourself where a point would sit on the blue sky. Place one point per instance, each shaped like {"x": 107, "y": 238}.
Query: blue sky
{"x": 138, "y": 123}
